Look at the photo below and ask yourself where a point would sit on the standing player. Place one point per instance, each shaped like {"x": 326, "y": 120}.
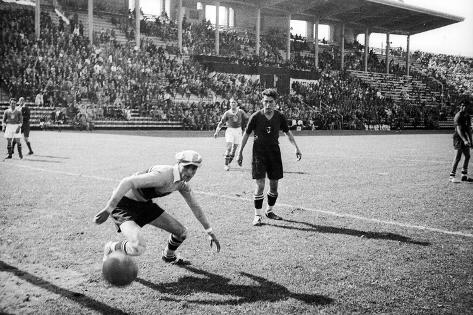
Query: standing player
{"x": 266, "y": 124}
{"x": 462, "y": 141}
{"x": 131, "y": 207}
{"x": 25, "y": 127}
{"x": 12, "y": 121}
{"x": 234, "y": 118}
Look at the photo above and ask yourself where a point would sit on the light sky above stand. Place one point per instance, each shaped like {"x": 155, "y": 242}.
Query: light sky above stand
{"x": 455, "y": 39}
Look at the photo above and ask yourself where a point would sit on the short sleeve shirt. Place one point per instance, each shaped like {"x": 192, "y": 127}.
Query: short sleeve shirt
{"x": 463, "y": 120}
{"x": 12, "y": 116}
{"x": 233, "y": 120}
{"x": 266, "y": 131}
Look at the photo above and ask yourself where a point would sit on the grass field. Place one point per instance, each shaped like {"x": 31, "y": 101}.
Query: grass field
{"x": 371, "y": 225}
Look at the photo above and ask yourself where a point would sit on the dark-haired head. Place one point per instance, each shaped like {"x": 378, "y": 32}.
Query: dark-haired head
{"x": 271, "y": 93}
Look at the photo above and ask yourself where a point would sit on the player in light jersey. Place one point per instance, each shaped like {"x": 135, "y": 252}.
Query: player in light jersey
{"x": 11, "y": 126}
{"x": 234, "y": 118}
{"x": 131, "y": 207}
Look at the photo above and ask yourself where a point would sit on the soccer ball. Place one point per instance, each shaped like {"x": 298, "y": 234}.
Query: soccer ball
{"x": 119, "y": 269}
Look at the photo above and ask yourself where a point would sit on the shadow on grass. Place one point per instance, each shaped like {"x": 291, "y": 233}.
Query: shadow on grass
{"x": 41, "y": 160}
{"x": 53, "y": 157}
{"x": 77, "y": 297}
{"x": 242, "y": 169}
{"x": 338, "y": 230}
{"x": 236, "y": 294}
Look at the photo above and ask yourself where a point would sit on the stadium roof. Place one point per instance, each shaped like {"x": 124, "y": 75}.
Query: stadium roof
{"x": 381, "y": 16}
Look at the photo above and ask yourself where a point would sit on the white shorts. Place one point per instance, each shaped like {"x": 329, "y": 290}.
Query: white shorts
{"x": 10, "y": 131}
{"x": 233, "y": 135}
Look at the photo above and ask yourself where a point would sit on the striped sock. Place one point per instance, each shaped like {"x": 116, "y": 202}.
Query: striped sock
{"x": 173, "y": 244}
{"x": 119, "y": 246}
{"x": 258, "y": 201}
{"x": 271, "y": 200}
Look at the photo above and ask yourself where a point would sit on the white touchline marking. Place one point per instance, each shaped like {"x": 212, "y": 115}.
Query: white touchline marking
{"x": 332, "y": 213}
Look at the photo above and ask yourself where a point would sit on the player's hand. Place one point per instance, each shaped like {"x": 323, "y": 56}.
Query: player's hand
{"x": 240, "y": 159}
{"x": 298, "y": 155}
{"x": 213, "y": 240}
{"x": 18, "y": 129}
{"x": 467, "y": 143}
{"x": 102, "y": 216}
{"x": 215, "y": 134}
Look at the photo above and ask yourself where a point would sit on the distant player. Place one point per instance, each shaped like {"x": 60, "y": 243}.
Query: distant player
{"x": 25, "y": 127}
{"x": 266, "y": 124}
{"x": 462, "y": 141}
{"x": 131, "y": 207}
{"x": 234, "y": 119}
{"x": 11, "y": 126}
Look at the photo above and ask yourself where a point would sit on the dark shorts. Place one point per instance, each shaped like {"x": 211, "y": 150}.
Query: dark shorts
{"x": 141, "y": 213}
{"x": 25, "y": 129}
{"x": 267, "y": 161}
{"x": 458, "y": 143}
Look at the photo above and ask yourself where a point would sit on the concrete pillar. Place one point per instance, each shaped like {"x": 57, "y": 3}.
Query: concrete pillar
{"x": 258, "y": 30}
{"x": 217, "y": 31}
{"x": 137, "y": 27}
{"x": 388, "y": 45}
{"x": 288, "y": 48}
{"x": 408, "y": 53}
{"x": 37, "y": 18}
{"x": 228, "y": 16}
{"x": 163, "y": 6}
{"x": 179, "y": 26}
{"x": 342, "y": 45}
{"x": 91, "y": 20}
{"x": 316, "y": 42}
{"x": 367, "y": 48}
{"x": 309, "y": 30}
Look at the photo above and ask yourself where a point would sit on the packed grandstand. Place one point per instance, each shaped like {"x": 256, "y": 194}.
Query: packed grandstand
{"x": 69, "y": 81}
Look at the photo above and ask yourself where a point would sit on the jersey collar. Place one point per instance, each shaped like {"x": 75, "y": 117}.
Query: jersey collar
{"x": 175, "y": 172}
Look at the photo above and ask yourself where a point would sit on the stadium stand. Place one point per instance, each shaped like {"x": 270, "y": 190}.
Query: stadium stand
{"x": 116, "y": 85}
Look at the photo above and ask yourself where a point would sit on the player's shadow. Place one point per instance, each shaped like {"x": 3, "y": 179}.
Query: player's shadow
{"x": 337, "y": 230}
{"x": 237, "y": 294}
{"x": 53, "y": 157}
{"x": 41, "y": 160}
{"x": 76, "y": 297}
{"x": 244, "y": 170}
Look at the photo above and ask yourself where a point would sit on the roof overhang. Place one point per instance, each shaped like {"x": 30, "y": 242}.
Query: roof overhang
{"x": 379, "y": 16}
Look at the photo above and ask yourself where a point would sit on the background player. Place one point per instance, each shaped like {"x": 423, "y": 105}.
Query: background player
{"x": 462, "y": 141}
{"x": 131, "y": 207}
{"x": 234, "y": 119}
{"x": 11, "y": 125}
{"x": 266, "y": 124}
{"x": 25, "y": 127}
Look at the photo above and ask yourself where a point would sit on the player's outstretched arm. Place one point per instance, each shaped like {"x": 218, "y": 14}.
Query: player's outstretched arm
{"x": 125, "y": 185}
{"x": 293, "y": 141}
{"x": 244, "y": 140}
{"x": 200, "y": 216}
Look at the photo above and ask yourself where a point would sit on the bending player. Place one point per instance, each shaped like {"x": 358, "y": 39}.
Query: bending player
{"x": 131, "y": 207}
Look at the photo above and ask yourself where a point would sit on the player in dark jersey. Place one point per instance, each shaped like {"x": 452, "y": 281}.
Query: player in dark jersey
{"x": 266, "y": 124}
{"x": 462, "y": 141}
{"x": 25, "y": 127}
{"x": 131, "y": 207}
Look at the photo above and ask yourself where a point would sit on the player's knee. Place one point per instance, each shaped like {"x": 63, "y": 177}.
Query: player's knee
{"x": 136, "y": 247}
{"x": 182, "y": 234}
